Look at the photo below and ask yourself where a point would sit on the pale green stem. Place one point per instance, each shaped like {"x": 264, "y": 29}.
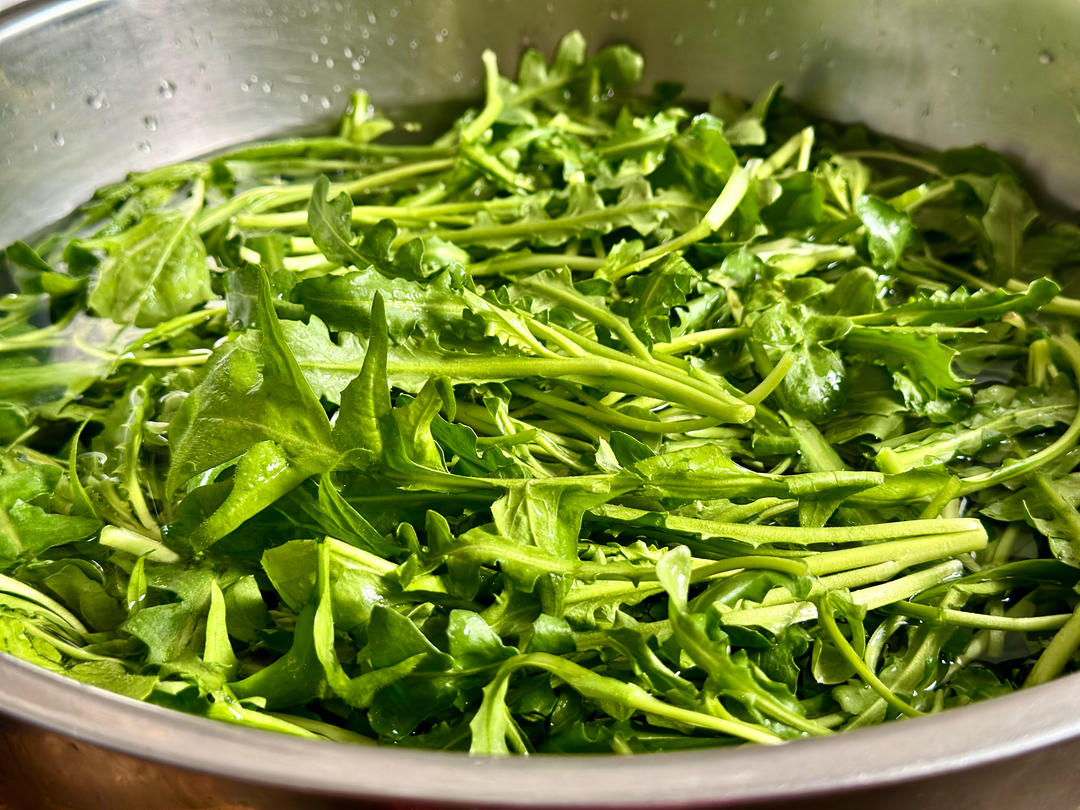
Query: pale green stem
{"x": 1057, "y": 653}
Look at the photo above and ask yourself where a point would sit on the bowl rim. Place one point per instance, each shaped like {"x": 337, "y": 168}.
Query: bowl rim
{"x": 937, "y": 745}
{"x": 958, "y": 739}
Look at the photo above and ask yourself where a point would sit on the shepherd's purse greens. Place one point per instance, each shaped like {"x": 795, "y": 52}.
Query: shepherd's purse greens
{"x": 602, "y": 422}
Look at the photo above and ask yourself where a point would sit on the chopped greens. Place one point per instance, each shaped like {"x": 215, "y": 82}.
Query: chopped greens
{"x": 599, "y": 423}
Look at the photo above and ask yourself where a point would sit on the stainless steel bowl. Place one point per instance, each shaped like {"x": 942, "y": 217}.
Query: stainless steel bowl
{"x": 90, "y": 89}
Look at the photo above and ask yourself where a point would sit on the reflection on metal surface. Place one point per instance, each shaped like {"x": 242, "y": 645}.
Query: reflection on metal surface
{"x": 42, "y": 770}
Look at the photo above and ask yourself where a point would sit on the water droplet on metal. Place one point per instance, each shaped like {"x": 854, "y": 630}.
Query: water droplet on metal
{"x": 150, "y": 122}
{"x": 97, "y": 100}
{"x": 329, "y": 61}
{"x": 144, "y": 146}
{"x": 58, "y": 139}
{"x": 166, "y": 89}
{"x": 1046, "y": 58}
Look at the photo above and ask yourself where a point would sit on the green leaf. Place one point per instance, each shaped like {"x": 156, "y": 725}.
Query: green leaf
{"x": 673, "y": 571}
{"x": 547, "y": 514}
{"x": 361, "y": 690}
{"x": 86, "y": 596}
{"x": 359, "y": 123}
{"x": 814, "y": 386}
{"x": 551, "y": 635}
{"x": 889, "y": 232}
{"x": 169, "y": 630}
{"x": 654, "y": 295}
{"x": 338, "y": 518}
{"x": 251, "y": 395}
{"x": 293, "y": 679}
{"x": 748, "y": 129}
{"x": 111, "y": 675}
{"x": 829, "y": 664}
{"x": 641, "y": 140}
{"x": 17, "y": 641}
{"x": 1009, "y": 213}
{"x": 45, "y": 277}
{"x": 1000, "y": 413}
{"x": 798, "y": 207}
{"x": 330, "y": 223}
{"x": 365, "y": 402}
{"x": 703, "y": 156}
{"x": 245, "y": 609}
{"x": 960, "y": 306}
{"x": 393, "y": 639}
{"x": 218, "y": 651}
{"x": 492, "y": 722}
{"x": 473, "y": 643}
{"x": 26, "y": 528}
{"x": 922, "y": 356}
{"x": 152, "y": 272}
{"x": 359, "y": 583}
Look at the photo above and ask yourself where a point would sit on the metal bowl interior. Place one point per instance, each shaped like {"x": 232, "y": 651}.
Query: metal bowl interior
{"x": 90, "y": 89}
{"x": 1015, "y": 751}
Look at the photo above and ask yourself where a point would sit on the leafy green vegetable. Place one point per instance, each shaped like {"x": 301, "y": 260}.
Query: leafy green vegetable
{"x": 154, "y": 270}
{"x": 888, "y": 232}
{"x": 601, "y": 423}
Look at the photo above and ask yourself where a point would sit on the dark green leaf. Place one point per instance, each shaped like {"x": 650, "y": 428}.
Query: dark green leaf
{"x": 889, "y": 232}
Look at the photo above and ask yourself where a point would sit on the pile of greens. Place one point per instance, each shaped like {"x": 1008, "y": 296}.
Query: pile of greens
{"x": 600, "y": 423}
